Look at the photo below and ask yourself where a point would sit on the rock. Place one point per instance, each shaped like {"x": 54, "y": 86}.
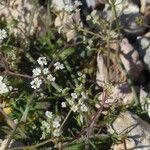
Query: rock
{"x": 22, "y": 17}
{"x": 65, "y": 23}
{"x": 118, "y": 95}
{"x": 131, "y": 25}
{"x": 145, "y": 6}
{"x": 135, "y": 128}
{"x": 147, "y": 19}
{"x": 110, "y": 71}
{"x": 142, "y": 45}
{"x": 130, "y": 59}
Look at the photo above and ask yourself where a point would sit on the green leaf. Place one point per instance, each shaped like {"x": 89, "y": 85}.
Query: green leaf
{"x": 78, "y": 146}
{"x": 66, "y": 53}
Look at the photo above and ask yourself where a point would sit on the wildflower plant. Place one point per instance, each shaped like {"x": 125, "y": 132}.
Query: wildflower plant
{"x": 48, "y": 83}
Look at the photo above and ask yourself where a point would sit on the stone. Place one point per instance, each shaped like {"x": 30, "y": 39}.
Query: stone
{"x": 145, "y": 6}
{"x": 22, "y": 17}
{"x": 135, "y": 128}
{"x": 120, "y": 94}
{"x": 130, "y": 59}
{"x": 131, "y": 26}
{"x": 142, "y": 45}
{"x": 113, "y": 72}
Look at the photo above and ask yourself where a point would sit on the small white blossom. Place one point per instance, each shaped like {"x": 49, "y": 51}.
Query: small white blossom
{"x": 56, "y": 124}
{"x": 69, "y": 8}
{"x": 74, "y": 108}
{"x": 49, "y": 114}
{"x": 36, "y": 72}
{"x": 58, "y": 118}
{"x": 74, "y": 95}
{"x": 56, "y": 133}
{"x": 77, "y": 3}
{"x": 58, "y": 66}
{"x": 3, "y": 87}
{"x": 45, "y": 71}
{"x": 45, "y": 124}
{"x": 63, "y": 105}
{"x": 42, "y": 61}
{"x": 84, "y": 108}
{"x": 88, "y": 18}
{"x": 3, "y": 34}
{"x": 36, "y": 83}
{"x": 84, "y": 96}
{"x": 51, "y": 78}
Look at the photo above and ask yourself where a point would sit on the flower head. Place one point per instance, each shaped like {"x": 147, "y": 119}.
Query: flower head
{"x": 36, "y": 72}
{"x": 45, "y": 71}
{"x": 3, "y": 88}
{"x": 74, "y": 95}
{"x": 84, "y": 108}
{"x": 84, "y": 96}
{"x": 3, "y": 34}
{"x": 51, "y": 78}
{"x": 74, "y": 108}
{"x": 42, "y": 61}
{"x": 56, "y": 124}
{"x": 49, "y": 114}
{"x": 36, "y": 83}
{"x": 63, "y": 105}
{"x": 58, "y": 66}
{"x": 56, "y": 133}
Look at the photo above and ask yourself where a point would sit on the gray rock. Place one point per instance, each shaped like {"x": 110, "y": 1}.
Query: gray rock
{"x": 142, "y": 44}
{"x": 130, "y": 26}
{"x": 137, "y": 130}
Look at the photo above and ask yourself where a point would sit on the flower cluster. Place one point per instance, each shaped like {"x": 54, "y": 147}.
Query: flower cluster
{"x": 70, "y": 8}
{"x": 76, "y": 102}
{"x": 40, "y": 73}
{"x": 3, "y": 34}
{"x": 3, "y": 87}
{"x": 93, "y": 17}
{"x": 51, "y": 126}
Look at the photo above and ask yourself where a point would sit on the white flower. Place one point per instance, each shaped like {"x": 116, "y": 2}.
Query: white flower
{"x": 42, "y": 61}
{"x": 3, "y": 88}
{"x": 69, "y": 8}
{"x": 56, "y": 133}
{"x": 74, "y": 95}
{"x": 56, "y": 124}
{"x": 58, "y": 66}
{"x": 74, "y": 108}
{"x": 3, "y": 34}
{"x": 63, "y": 105}
{"x": 77, "y": 3}
{"x": 84, "y": 96}
{"x": 49, "y": 114}
{"x": 36, "y": 83}
{"x": 58, "y": 118}
{"x": 45, "y": 71}
{"x": 36, "y": 72}
{"x": 84, "y": 108}
{"x": 45, "y": 124}
{"x": 51, "y": 78}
